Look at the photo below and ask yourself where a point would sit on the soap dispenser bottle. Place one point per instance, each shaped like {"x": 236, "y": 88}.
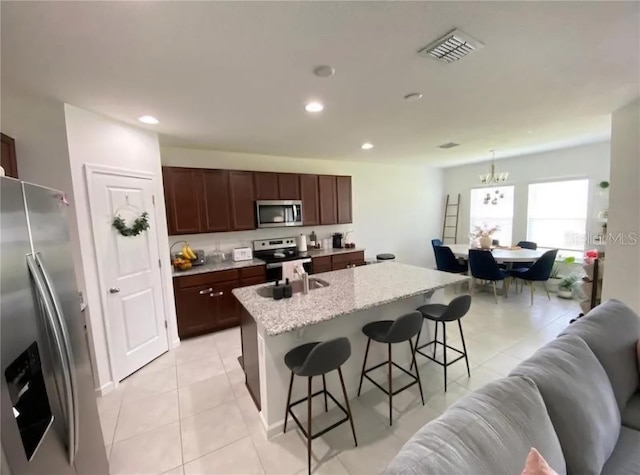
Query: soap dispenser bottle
{"x": 288, "y": 290}
{"x": 278, "y": 291}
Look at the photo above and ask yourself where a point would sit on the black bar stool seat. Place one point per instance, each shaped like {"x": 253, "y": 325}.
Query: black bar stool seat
{"x": 385, "y": 256}
{"x": 317, "y": 359}
{"x": 392, "y": 331}
{"x": 440, "y": 313}
{"x": 378, "y": 330}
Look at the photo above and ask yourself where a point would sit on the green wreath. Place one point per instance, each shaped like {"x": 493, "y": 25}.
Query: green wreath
{"x": 140, "y": 224}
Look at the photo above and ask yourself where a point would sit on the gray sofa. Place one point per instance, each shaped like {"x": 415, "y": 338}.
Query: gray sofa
{"x": 577, "y": 400}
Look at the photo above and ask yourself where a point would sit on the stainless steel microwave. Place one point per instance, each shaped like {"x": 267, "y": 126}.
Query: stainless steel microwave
{"x": 278, "y": 213}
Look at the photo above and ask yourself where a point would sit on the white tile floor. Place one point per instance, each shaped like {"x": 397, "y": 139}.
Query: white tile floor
{"x": 188, "y": 412}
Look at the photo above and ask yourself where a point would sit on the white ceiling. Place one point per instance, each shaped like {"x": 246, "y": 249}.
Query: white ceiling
{"x": 235, "y": 75}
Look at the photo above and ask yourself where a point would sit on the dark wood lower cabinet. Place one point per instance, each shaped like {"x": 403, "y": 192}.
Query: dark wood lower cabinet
{"x": 250, "y": 356}
{"x": 337, "y": 262}
{"x": 205, "y": 303}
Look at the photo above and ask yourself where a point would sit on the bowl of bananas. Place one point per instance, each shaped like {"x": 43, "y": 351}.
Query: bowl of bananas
{"x": 183, "y": 260}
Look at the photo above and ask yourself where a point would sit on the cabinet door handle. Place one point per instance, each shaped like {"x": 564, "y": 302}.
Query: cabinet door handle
{"x": 216, "y": 294}
{"x": 203, "y": 292}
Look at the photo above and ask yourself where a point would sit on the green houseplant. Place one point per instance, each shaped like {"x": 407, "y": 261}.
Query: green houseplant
{"x": 568, "y": 284}
{"x": 556, "y": 278}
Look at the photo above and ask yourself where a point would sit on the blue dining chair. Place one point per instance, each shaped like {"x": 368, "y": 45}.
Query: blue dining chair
{"x": 435, "y": 243}
{"x": 483, "y": 266}
{"x": 540, "y": 271}
{"x": 446, "y": 261}
{"x": 528, "y": 245}
{"x": 524, "y": 265}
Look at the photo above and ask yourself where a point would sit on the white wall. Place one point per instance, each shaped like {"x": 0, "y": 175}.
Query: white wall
{"x": 587, "y": 161}
{"x": 396, "y": 208}
{"x": 622, "y": 264}
{"x": 38, "y": 126}
{"x": 96, "y": 139}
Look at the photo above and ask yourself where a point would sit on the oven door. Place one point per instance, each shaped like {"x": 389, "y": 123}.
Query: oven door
{"x": 279, "y": 213}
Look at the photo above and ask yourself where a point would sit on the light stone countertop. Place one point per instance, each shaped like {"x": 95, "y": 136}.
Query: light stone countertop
{"x": 330, "y": 251}
{"x": 217, "y": 266}
{"x": 351, "y": 290}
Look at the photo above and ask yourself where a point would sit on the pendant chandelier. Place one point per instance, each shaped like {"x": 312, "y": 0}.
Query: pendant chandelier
{"x": 493, "y": 179}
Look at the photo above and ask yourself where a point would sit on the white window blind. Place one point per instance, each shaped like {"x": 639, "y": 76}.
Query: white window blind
{"x": 557, "y": 214}
{"x": 489, "y": 215}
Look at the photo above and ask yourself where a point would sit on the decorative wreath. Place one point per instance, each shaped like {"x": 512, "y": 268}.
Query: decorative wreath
{"x": 140, "y": 224}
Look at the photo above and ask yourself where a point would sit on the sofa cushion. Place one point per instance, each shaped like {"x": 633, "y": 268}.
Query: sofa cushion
{"x": 611, "y": 330}
{"x": 631, "y": 414}
{"x": 625, "y": 459}
{"x": 580, "y": 401}
{"x": 489, "y": 431}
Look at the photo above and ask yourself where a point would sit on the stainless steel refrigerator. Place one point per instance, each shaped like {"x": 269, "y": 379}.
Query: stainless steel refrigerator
{"x": 49, "y": 419}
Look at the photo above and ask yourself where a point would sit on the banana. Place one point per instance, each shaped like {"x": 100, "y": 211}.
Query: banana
{"x": 188, "y": 253}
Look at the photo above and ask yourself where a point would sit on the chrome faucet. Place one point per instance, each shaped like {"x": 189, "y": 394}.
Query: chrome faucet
{"x": 299, "y": 271}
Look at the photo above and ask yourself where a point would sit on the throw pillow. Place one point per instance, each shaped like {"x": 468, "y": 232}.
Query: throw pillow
{"x": 537, "y": 465}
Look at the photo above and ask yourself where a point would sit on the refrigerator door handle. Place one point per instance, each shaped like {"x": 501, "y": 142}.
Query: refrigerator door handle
{"x": 58, "y": 341}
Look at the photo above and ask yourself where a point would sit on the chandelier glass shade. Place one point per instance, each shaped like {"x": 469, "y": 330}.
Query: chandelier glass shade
{"x": 493, "y": 179}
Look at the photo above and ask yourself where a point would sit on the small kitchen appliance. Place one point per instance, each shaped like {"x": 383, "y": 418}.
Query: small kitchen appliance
{"x": 242, "y": 254}
{"x": 337, "y": 240}
{"x": 278, "y": 213}
{"x": 277, "y": 251}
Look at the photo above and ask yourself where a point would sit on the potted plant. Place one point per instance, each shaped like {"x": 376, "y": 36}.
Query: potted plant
{"x": 553, "y": 283}
{"x": 482, "y": 234}
{"x": 568, "y": 284}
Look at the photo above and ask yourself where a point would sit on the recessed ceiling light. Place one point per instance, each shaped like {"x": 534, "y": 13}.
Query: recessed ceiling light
{"x": 313, "y": 107}
{"x": 324, "y": 71}
{"x": 366, "y": 146}
{"x": 148, "y": 119}
{"x": 412, "y": 97}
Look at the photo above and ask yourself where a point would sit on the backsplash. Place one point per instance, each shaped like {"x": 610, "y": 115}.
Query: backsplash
{"x": 227, "y": 241}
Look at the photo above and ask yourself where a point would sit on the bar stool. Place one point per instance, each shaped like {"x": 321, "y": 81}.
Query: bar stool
{"x": 440, "y": 313}
{"x": 385, "y": 257}
{"x": 389, "y": 331}
{"x": 318, "y": 359}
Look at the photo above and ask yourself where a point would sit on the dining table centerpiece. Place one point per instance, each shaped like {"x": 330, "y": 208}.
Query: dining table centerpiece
{"x": 483, "y": 235}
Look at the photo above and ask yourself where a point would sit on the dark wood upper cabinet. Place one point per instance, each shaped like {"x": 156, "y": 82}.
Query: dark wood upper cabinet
{"x": 215, "y": 201}
{"x": 182, "y": 196}
{"x": 9, "y": 156}
{"x": 309, "y": 197}
{"x": 266, "y": 185}
{"x": 327, "y": 199}
{"x": 242, "y": 200}
{"x": 343, "y": 193}
{"x": 288, "y": 186}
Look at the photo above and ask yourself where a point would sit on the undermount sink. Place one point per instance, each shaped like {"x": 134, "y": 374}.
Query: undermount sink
{"x": 296, "y": 287}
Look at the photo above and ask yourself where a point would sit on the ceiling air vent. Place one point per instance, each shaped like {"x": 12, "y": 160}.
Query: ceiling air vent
{"x": 448, "y": 145}
{"x": 451, "y": 47}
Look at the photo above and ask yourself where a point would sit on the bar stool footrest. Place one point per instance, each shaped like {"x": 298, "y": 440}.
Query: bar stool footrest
{"x": 386, "y": 391}
{"x": 325, "y": 430}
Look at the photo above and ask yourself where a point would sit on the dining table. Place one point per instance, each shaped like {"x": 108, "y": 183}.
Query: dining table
{"x": 500, "y": 254}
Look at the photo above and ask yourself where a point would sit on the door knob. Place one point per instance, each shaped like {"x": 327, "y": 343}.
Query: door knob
{"x": 114, "y": 290}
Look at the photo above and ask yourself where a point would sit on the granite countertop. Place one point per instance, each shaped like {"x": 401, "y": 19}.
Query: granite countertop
{"x": 350, "y": 290}
{"x": 217, "y": 266}
{"x": 330, "y": 251}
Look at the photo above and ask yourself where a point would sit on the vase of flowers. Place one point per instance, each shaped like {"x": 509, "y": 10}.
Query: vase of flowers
{"x": 482, "y": 235}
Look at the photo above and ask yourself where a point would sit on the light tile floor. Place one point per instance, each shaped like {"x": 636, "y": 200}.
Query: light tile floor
{"x": 188, "y": 412}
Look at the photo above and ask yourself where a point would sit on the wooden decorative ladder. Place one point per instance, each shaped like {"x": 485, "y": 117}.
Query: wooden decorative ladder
{"x": 450, "y": 221}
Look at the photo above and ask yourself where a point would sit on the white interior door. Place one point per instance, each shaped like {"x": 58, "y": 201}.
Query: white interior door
{"x": 129, "y": 270}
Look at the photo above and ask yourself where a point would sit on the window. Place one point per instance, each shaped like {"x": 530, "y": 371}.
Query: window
{"x": 500, "y": 214}
{"x": 557, "y": 215}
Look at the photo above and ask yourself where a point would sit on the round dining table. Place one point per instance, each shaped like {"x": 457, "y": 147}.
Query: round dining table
{"x": 501, "y": 255}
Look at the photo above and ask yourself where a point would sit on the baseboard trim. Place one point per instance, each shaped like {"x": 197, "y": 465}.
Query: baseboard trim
{"x": 105, "y": 389}
{"x": 175, "y": 343}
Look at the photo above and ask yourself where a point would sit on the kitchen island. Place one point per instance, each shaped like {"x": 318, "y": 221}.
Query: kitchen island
{"x": 343, "y": 303}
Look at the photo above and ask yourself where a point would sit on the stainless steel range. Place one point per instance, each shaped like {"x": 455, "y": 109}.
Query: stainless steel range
{"x": 276, "y": 251}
